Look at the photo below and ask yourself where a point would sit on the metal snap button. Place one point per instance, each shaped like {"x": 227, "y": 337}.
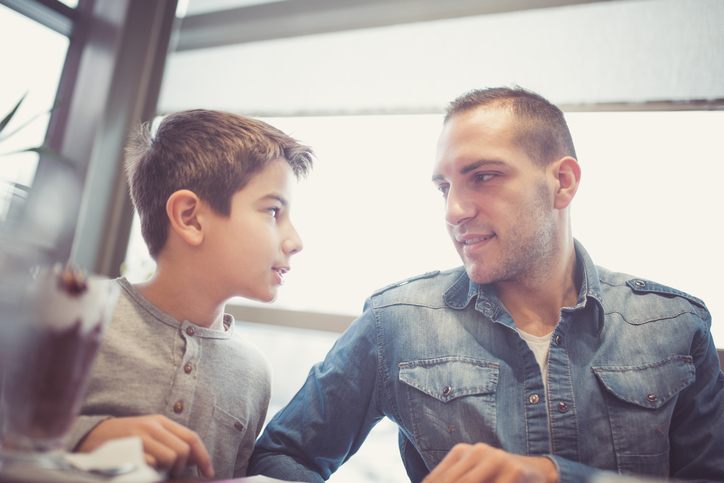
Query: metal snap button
{"x": 559, "y": 340}
{"x": 652, "y": 398}
{"x": 239, "y": 426}
{"x": 488, "y": 305}
{"x": 188, "y": 368}
{"x": 190, "y": 330}
{"x": 178, "y": 407}
{"x": 534, "y": 399}
{"x": 446, "y": 390}
{"x": 639, "y": 283}
{"x": 562, "y": 407}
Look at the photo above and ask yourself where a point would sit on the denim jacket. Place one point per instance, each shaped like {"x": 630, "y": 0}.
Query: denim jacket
{"x": 634, "y": 383}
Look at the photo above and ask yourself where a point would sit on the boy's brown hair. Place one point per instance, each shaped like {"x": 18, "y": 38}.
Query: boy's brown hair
{"x": 212, "y": 153}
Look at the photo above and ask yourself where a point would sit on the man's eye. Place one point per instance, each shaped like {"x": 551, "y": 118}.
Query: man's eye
{"x": 443, "y": 189}
{"x": 274, "y": 212}
{"x": 484, "y": 176}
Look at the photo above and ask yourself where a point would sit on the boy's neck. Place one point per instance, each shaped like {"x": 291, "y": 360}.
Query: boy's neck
{"x": 183, "y": 299}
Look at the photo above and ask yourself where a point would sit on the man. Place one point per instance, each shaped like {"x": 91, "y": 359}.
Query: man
{"x": 528, "y": 364}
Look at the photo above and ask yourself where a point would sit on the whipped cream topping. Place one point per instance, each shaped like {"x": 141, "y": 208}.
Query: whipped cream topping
{"x": 50, "y": 304}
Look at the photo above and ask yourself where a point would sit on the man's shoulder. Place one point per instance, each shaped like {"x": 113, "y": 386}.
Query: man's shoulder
{"x": 420, "y": 289}
{"x": 639, "y": 300}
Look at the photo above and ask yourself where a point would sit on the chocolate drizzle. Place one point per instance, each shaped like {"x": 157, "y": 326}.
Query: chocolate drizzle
{"x": 73, "y": 281}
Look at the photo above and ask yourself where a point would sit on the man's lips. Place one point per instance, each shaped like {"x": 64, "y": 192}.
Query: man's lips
{"x": 473, "y": 239}
{"x": 471, "y": 243}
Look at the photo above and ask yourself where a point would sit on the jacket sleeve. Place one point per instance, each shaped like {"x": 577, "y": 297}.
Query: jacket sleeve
{"x": 329, "y": 418}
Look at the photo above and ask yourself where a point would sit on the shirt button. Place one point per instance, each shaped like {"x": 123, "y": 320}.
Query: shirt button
{"x": 188, "y": 368}
{"x": 488, "y": 305}
{"x": 239, "y": 426}
{"x": 446, "y": 390}
{"x": 652, "y": 398}
{"x": 534, "y": 399}
{"x": 178, "y": 407}
{"x": 562, "y": 407}
{"x": 190, "y": 330}
{"x": 559, "y": 340}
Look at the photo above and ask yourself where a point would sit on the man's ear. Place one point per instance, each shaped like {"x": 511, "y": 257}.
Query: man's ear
{"x": 184, "y": 210}
{"x": 567, "y": 173}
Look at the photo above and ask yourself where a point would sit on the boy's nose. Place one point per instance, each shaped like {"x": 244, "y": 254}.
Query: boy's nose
{"x": 293, "y": 244}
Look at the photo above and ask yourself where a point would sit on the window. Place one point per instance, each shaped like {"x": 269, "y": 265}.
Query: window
{"x": 32, "y": 66}
{"x": 369, "y": 216}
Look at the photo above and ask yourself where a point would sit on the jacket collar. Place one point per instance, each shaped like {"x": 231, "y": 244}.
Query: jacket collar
{"x": 463, "y": 290}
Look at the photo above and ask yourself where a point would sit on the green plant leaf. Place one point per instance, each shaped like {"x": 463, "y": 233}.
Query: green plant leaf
{"x": 45, "y": 151}
{"x": 5, "y": 121}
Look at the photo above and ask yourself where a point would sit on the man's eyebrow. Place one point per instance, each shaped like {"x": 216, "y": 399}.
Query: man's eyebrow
{"x": 480, "y": 163}
{"x": 472, "y": 167}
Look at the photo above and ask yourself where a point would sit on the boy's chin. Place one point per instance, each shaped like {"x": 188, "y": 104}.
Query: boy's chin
{"x": 268, "y": 298}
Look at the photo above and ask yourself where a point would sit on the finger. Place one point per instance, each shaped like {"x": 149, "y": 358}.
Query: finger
{"x": 165, "y": 457}
{"x": 150, "y": 460}
{"x": 196, "y": 453}
{"x": 448, "y": 462}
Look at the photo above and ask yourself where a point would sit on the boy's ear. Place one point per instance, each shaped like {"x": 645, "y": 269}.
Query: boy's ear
{"x": 568, "y": 176}
{"x": 184, "y": 209}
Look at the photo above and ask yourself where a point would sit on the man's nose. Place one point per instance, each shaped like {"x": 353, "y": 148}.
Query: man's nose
{"x": 458, "y": 208}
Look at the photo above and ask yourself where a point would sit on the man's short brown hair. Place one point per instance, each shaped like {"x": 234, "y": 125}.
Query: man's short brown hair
{"x": 541, "y": 127}
{"x": 212, "y": 153}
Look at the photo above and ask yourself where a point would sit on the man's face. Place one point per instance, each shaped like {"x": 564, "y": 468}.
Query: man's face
{"x": 498, "y": 203}
{"x": 250, "y": 250}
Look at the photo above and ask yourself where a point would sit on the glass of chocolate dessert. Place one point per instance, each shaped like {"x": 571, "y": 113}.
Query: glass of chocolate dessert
{"x": 63, "y": 315}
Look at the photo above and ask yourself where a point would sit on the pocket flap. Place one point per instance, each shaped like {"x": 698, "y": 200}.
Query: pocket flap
{"x": 447, "y": 378}
{"x": 648, "y": 385}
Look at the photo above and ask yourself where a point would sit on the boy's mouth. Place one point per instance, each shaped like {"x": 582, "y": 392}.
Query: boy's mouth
{"x": 280, "y": 271}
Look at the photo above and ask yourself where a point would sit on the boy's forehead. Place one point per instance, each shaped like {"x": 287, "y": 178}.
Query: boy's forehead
{"x": 274, "y": 181}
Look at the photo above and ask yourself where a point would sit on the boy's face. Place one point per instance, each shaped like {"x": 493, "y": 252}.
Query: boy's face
{"x": 250, "y": 250}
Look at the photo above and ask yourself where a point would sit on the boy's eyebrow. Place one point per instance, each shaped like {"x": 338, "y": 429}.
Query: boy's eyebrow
{"x": 471, "y": 167}
{"x": 275, "y": 196}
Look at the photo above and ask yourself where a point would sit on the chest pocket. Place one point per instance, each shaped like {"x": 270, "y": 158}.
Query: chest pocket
{"x": 222, "y": 440}
{"x": 641, "y": 402}
{"x": 451, "y": 400}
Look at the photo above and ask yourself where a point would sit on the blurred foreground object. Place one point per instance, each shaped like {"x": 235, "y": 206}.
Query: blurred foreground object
{"x": 63, "y": 314}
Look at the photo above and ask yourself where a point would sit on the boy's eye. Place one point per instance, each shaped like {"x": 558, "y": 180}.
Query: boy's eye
{"x": 274, "y": 212}
{"x": 443, "y": 189}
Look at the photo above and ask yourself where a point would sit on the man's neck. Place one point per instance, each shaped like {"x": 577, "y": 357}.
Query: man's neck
{"x": 535, "y": 303}
{"x": 182, "y": 297}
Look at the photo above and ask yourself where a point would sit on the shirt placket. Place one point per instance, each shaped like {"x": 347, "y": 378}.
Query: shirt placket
{"x": 561, "y": 404}
{"x": 182, "y": 394}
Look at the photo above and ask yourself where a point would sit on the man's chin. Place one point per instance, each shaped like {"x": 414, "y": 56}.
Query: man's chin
{"x": 478, "y": 275}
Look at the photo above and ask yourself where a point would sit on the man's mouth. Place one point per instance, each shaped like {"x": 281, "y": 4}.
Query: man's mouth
{"x": 470, "y": 241}
{"x": 474, "y": 240}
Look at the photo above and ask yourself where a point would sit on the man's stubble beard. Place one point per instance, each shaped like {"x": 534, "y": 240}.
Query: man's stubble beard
{"x": 526, "y": 257}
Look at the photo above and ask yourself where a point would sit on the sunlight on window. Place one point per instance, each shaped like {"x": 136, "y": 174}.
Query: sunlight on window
{"x": 369, "y": 215}
{"x": 31, "y": 68}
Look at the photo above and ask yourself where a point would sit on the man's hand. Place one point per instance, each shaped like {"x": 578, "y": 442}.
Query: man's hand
{"x": 481, "y": 463}
{"x": 167, "y": 445}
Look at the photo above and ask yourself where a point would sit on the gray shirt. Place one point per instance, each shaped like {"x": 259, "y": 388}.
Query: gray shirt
{"x": 213, "y": 382}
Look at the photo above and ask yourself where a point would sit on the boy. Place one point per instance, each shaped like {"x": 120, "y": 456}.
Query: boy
{"x": 213, "y": 192}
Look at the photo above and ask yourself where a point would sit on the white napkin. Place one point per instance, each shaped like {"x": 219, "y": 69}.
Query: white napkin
{"x": 113, "y": 454}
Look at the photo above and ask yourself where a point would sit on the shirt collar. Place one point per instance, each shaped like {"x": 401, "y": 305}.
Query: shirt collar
{"x": 463, "y": 290}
